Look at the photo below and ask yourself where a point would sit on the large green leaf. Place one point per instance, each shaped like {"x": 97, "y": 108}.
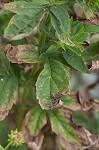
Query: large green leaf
{"x": 23, "y": 23}
{"x": 8, "y": 94}
{"x": 52, "y": 80}
{"x": 74, "y": 60}
{"x": 37, "y": 120}
{"x": 8, "y": 86}
{"x": 60, "y": 22}
{"x": 60, "y": 126}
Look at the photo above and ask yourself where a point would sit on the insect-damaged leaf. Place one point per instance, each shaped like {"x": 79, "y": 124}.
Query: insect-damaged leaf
{"x": 8, "y": 94}
{"x": 75, "y": 61}
{"x": 60, "y": 126}
{"x": 23, "y": 23}
{"x": 60, "y": 22}
{"x": 37, "y": 120}
{"x": 52, "y": 80}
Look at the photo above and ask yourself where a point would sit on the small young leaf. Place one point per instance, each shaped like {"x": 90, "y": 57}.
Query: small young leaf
{"x": 75, "y": 61}
{"x": 60, "y": 126}
{"x": 60, "y": 22}
{"x": 37, "y": 120}
{"x": 8, "y": 94}
{"x": 52, "y": 80}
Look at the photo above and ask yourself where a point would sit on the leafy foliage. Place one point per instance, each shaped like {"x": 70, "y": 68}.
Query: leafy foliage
{"x": 44, "y": 41}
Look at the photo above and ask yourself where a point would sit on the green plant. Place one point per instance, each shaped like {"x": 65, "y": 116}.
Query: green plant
{"x": 42, "y": 43}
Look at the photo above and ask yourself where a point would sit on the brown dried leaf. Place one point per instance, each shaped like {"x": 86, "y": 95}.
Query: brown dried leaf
{"x": 34, "y": 143}
{"x": 95, "y": 66}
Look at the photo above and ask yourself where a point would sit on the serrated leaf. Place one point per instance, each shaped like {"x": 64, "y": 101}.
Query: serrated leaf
{"x": 37, "y": 120}
{"x": 75, "y": 61}
{"x": 92, "y": 53}
{"x": 1, "y": 148}
{"x": 52, "y": 80}
{"x": 60, "y": 126}
{"x": 27, "y": 54}
{"x": 8, "y": 94}
{"x": 60, "y": 22}
{"x": 23, "y": 23}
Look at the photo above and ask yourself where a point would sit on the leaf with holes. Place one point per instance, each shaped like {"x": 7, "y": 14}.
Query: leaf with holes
{"x": 52, "y": 80}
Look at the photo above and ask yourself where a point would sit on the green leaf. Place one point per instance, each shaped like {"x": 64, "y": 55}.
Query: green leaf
{"x": 67, "y": 101}
{"x": 5, "y": 63}
{"x": 27, "y": 54}
{"x": 60, "y": 22}
{"x": 60, "y": 126}
{"x": 92, "y": 29}
{"x": 52, "y": 80}
{"x": 8, "y": 94}
{"x": 92, "y": 53}
{"x": 23, "y": 23}
{"x": 75, "y": 61}
{"x": 37, "y": 120}
{"x": 1, "y": 148}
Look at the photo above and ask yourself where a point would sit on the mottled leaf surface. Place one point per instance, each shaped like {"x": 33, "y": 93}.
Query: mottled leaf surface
{"x": 60, "y": 126}
{"x": 52, "y": 80}
{"x": 27, "y": 54}
{"x": 37, "y": 120}
{"x": 23, "y": 23}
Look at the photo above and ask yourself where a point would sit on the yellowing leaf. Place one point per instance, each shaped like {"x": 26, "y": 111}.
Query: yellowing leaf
{"x": 37, "y": 120}
{"x": 60, "y": 126}
{"x": 23, "y": 23}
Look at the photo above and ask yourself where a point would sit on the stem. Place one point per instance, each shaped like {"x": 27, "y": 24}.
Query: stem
{"x": 26, "y": 93}
{"x": 7, "y": 146}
